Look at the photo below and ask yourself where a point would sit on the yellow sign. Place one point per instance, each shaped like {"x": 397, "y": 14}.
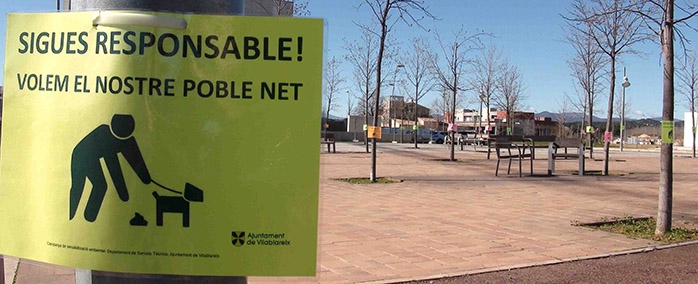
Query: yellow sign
{"x": 156, "y": 150}
{"x": 667, "y": 131}
{"x": 374, "y": 132}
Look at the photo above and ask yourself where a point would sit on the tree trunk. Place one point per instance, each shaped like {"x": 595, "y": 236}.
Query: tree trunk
{"x": 381, "y": 50}
{"x": 609, "y": 119}
{"x": 366, "y": 122}
{"x": 416, "y": 120}
{"x": 453, "y": 115}
{"x": 666, "y": 159}
{"x": 693, "y": 126}
{"x": 591, "y": 124}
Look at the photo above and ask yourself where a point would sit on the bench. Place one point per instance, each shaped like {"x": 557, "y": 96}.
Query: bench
{"x": 328, "y": 138}
{"x": 523, "y": 149}
{"x": 476, "y": 140}
{"x": 561, "y": 144}
{"x": 540, "y": 142}
{"x": 492, "y": 141}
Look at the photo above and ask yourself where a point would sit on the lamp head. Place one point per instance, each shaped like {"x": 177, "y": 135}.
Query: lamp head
{"x": 626, "y": 83}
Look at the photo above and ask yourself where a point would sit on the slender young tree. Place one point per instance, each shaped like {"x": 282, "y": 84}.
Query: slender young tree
{"x": 578, "y": 103}
{"x": 409, "y": 11}
{"x": 509, "y": 95}
{"x": 333, "y": 79}
{"x": 418, "y": 75}
{"x": 450, "y": 67}
{"x": 443, "y": 103}
{"x": 350, "y": 104}
{"x": 688, "y": 75}
{"x": 587, "y": 63}
{"x": 615, "y": 31}
{"x": 659, "y": 15}
{"x": 363, "y": 57}
{"x": 486, "y": 69}
{"x": 561, "y": 116}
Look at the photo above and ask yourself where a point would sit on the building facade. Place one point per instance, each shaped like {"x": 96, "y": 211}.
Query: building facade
{"x": 476, "y": 121}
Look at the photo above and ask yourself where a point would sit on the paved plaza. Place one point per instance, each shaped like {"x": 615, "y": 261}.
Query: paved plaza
{"x": 453, "y": 218}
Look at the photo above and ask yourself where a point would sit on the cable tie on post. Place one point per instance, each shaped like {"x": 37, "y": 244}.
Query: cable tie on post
{"x": 135, "y": 19}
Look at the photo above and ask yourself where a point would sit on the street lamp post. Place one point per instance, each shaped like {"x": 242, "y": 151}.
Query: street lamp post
{"x": 625, "y": 84}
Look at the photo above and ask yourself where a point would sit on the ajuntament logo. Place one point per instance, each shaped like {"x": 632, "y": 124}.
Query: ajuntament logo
{"x": 238, "y": 238}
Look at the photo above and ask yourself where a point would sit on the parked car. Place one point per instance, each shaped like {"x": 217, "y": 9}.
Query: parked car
{"x": 438, "y": 137}
{"x": 423, "y": 135}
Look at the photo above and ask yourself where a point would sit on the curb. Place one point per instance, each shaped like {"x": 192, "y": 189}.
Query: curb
{"x": 535, "y": 264}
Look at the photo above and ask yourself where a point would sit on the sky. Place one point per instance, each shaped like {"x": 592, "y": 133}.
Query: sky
{"x": 530, "y": 35}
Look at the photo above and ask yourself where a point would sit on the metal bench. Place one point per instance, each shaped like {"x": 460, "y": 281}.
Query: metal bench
{"x": 521, "y": 150}
{"x": 328, "y": 138}
{"x": 520, "y": 139}
{"x": 563, "y": 144}
{"x": 476, "y": 140}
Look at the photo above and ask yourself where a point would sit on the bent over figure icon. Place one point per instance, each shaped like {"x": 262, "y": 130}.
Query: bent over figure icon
{"x": 105, "y": 142}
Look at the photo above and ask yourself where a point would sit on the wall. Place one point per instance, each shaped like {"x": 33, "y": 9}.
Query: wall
{"x": 687, "y": 132}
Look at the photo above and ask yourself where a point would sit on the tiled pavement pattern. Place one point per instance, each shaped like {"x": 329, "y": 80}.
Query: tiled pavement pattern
{"x": 451, "y": 218}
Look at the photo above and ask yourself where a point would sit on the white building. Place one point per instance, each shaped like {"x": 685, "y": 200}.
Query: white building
{"x": 687, "y": 132}
{"x": 468, "y": 119}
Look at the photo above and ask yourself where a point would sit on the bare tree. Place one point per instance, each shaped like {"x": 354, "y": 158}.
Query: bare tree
{"x": 418, "y": 75}
{"x": 381, "y": 11}
{"x": 509, "y": 94}
{"x": 486, "y": 68}
{"x": 443, "y": 103}
{"x": 688, "y": 75}
{"x": 280, "y": 7}
{"x": 450, "y": 67}
{"x": 587, "y": 63}
{"x": 362, "y": 55}
{"x": 579, "y": 103}
{"x": 561, "y": 116}
{"x": 660, "y": 17}
{"x": 615, "y": 31}
{"x": 350, "y": 104}
{"x": 333, "y": 79}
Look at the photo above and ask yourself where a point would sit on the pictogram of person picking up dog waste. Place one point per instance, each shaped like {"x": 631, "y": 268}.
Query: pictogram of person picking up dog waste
{"x": 107, "y": 142}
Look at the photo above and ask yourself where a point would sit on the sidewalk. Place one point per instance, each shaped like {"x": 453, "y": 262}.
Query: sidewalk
{"x": 453, "y": 218}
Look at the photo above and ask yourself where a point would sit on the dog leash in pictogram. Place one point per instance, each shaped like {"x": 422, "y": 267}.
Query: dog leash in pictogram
{"x": 166, "y": 188}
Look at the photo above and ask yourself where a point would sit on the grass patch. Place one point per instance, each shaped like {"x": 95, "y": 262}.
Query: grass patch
{"x": 643, "y": 228}
{"x": 368, "y": 180}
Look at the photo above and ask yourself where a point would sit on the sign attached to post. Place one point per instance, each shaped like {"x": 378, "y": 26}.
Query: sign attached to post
{"x": 608, "y": 136}
{"x": 667, "y": 131}
{"x": 163, "y": 151}
{"x": 374, "y": 132}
